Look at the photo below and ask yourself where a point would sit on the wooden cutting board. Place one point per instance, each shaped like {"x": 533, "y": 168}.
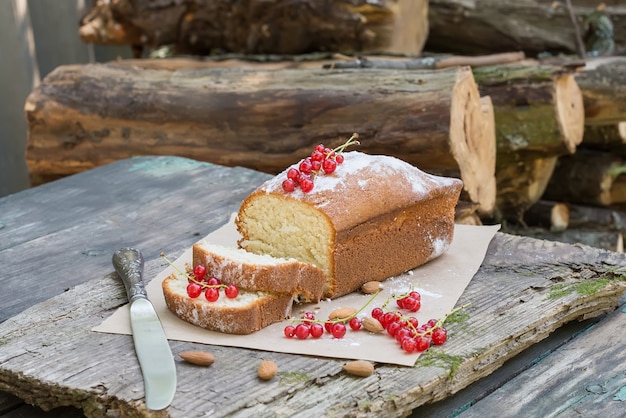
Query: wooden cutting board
{"x": 525, "y": 289}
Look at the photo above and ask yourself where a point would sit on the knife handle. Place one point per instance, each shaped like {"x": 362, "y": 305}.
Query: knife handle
{"x": 128, "y": 263}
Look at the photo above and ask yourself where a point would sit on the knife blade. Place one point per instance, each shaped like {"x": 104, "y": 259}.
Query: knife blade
{"x": 151, "y": 345}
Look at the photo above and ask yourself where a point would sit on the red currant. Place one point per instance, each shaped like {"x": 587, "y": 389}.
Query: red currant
{"x": 328, "y": 326}
{"x": 302, "y": 331}
{"x": 355, "y": 323}
{"x": 377, "y": 313}
{"x": 212, "y": 294}
{"x": 440, "y": 335}
{"x": 308, "y": 317}
{"x": 412, "y": 304}
{"x": 213, "y": 281}
{"x": 317, "y": 155}
{"x": 339, "y": 158}
{"x": 320, "y": 148}
{"x": 231, "y": 291}
{"x": 199, "y": 271}
{"x": 415, "y": 295}
{"x": 393, "y": 327}
{"x": 329, "y": 166}
{"x": 194, "y": 290}
{"x": 408, "y": 344}
{"x": 338, "y": 330}
{"x": 305, "y": 166}
{"x": 413, "y": 321}
{"x": 293, "y": 174}
{"x": 422, "y": 344}
{"x": 401, "y": 334}
{"x": 316, "y": 166}
{"x": 289, "y": 331}
{"x": 431, "y": 323}
{"x": 289, "y": 185}
{"x": 317, "y": 330}
{"x": 306, "y": 184}
{"x": 400, "y": 303}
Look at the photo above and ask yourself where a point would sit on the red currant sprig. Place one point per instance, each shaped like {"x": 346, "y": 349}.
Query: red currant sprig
{"x": 307, "y": 325}
{"x": 322, "y": 160}
{"x": 199, "y": 282}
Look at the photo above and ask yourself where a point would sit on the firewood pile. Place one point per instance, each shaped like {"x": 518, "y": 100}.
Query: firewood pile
{"x": 524, "y": 100}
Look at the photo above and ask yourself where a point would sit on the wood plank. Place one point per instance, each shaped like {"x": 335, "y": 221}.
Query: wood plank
{"x": 514, "y": 304}
{"x": 81, "y": 220}
{"x": 583, "y": 378}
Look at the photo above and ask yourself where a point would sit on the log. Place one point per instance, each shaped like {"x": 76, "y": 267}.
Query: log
{"x": 605, "y": 137}
{"x": 82, "y": 116}
{"x": 521, "y": 180}
{"x": 606, "y": 240}
{"x": 260, "y": 26}
{"x": 539, "y": 115}
{"x": 553, "y": 216}
{"x": 596, "y": 218}
{"x": 532, "y": 26}
{"x": 538, "y": 108}
{"x": 588, "y": 177}
{"x": 604, "y": 91}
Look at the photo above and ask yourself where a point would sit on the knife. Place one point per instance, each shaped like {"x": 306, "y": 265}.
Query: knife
{"x": 151, "y": 345}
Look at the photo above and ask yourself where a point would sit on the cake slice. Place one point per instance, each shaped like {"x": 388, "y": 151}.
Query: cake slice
{"x": 260, "y": 272}
{"x": 247, "y": 313}
{"x": 374, "y": 217}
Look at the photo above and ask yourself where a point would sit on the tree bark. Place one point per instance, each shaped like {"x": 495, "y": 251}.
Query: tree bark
{"x": 84, "y": 116}
{"x": 260, "y": 26}
{"x": 604, "y": 90}
{"x": 521, "y": 180}
{"x": 588, "y": 177}
{"x": 532, "y": 26}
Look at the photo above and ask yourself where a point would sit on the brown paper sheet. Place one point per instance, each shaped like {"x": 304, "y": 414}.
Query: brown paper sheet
{"x": 440, "y": 282}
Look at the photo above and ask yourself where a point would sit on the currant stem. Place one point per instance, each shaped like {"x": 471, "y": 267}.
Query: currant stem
{"x": 351, "y": 141}
{"x": 190, "y": 277}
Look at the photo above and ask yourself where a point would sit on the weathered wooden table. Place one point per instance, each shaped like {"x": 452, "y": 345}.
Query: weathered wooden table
{"x": 542, "y": 335}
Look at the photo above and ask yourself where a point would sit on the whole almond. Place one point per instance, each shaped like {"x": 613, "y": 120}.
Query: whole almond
{"x": 341, "y": 313}
{"x": 199, "y": 358}
{"x": 359, "y": 368}
{"x": 267, "y": 370}
{"x": 371, "y": 287}
{"x": 372, "y": 325}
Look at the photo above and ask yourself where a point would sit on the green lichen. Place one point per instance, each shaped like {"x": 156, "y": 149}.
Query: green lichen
{"x": 584, "y": 288}
{"x": 294, "y": 377}
{"x": 435, "y": 357}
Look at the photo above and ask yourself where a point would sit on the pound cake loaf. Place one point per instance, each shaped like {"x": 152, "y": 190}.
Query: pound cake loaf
{"x": 374, "y": 217}
{"x": 260, "y": 272}
{"x": 248, "y": 312}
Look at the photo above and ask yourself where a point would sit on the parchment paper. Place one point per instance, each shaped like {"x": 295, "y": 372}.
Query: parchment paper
{"x": 440, "y": 282}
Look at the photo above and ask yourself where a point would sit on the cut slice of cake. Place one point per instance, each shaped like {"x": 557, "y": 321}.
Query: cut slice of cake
{"x": 260, "y": 272}
{"x": 248, "y": 312}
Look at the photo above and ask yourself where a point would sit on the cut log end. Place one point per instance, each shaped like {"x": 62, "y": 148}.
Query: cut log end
{"x": 570, "y": 111}
{"x": 472, "y": 141}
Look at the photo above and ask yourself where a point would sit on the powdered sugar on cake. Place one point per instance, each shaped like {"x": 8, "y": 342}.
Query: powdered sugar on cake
{"x": 355, "y": 162}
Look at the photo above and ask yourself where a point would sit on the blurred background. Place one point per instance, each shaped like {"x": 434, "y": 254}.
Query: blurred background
{"x": 36, "y": 36}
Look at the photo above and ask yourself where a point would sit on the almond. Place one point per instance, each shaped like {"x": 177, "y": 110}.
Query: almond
{"x": 359, "y": 368}
{"x": 267, "y": 370}
{"x": 199, "y": 358}
{"x": 372, "y": 325}
{"x": 372, "y": 287}
{"x": 341, "y": 313}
